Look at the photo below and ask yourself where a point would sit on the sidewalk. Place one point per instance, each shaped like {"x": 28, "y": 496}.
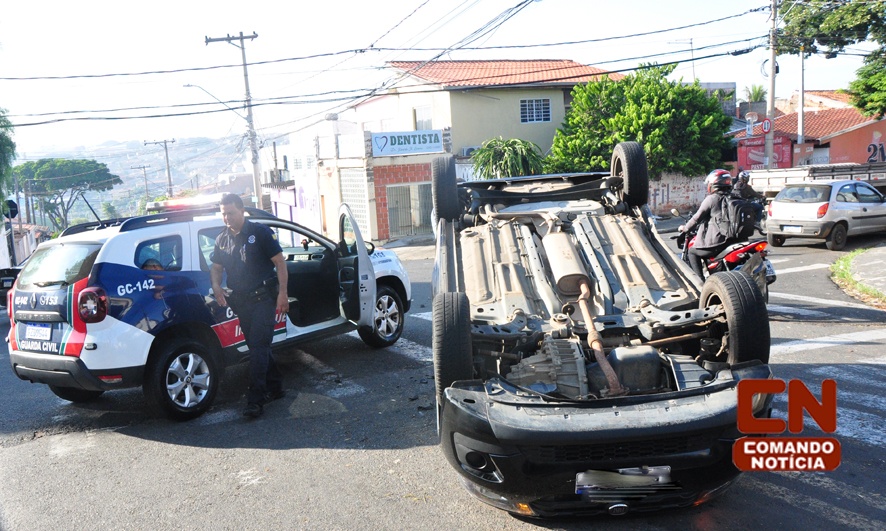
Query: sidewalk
{"x": 869, "y": 270}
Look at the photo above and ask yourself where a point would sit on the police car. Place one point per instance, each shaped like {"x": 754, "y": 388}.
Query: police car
{"x": 86, "y": 318}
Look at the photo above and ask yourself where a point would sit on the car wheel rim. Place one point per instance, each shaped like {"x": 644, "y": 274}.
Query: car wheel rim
{"x": 387, "y": 316}
{"x": 187, "y": 380}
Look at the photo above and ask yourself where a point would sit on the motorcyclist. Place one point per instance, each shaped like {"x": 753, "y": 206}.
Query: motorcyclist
{"x": 742, "y": 189}
{"x": 709, "y": 240}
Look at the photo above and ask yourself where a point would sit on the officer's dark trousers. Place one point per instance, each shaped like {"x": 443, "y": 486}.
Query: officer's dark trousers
{"x": 257, "y": 322}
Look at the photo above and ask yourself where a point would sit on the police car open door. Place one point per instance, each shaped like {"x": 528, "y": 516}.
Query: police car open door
{"x": 355, "y": 273}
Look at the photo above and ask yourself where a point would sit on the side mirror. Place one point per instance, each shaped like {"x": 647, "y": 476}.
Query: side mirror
{"x": 675, "y": 212}
{"x": 370, "y": 247}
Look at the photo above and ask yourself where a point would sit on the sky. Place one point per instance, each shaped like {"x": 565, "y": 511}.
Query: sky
{"x": 302, "y": 64}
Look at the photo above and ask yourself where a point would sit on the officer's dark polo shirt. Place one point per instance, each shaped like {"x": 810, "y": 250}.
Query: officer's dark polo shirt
{"x": 246, "y": 257}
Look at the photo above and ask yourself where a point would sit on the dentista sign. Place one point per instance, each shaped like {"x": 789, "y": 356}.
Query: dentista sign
{"x": 407, "y": 143}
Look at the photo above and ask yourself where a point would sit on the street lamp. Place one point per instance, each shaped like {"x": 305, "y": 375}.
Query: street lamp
{"x": 253, "y": 144}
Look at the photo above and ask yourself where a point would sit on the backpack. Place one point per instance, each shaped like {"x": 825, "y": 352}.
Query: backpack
{"x": 737, "y": 218}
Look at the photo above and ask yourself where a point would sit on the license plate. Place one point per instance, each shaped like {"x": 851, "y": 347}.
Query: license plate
{"x": 39, "y": 331}
{"x": 7, "y": 283}
{"x": 770, "y": 271}
{"x": 792, "y": 229}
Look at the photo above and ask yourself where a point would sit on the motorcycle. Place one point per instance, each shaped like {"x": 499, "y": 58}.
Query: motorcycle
{"x": 748, "y": 256}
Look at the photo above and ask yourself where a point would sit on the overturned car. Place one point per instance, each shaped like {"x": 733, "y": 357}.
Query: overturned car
{"x": 581, "y": 367}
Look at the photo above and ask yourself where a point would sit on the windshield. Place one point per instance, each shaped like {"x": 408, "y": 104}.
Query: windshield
{"x": 805, "y": 194}
{"x": 59, "y": 264}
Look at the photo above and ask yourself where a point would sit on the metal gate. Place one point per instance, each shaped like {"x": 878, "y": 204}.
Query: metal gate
{"x": 355, "y": 193}
{"x": 409, "y": 209}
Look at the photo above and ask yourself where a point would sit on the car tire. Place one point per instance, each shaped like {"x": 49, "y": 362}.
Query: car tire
{"x": 75, "y": 395}
{"x": 629, "y": 163}
{"x": 747, "y": 320}
{"x": 444, "y": 195}
{"x": 451, "y": 341}
{"x": 181, "y": 379}
{"x": 836, "y": 240}
{"x": 775, "y": 240}
{"x": 388, "y": 322}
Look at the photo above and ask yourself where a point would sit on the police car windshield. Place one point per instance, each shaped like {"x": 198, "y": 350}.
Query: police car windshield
{"x": 59, "y": 264}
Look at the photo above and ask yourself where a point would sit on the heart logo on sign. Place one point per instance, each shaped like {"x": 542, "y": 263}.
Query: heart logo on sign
{"x": 381, "y": 142}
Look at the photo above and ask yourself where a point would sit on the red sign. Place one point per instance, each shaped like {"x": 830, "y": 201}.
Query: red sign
{"x": 802, "y": 454}
{"x": 767, "y": 125}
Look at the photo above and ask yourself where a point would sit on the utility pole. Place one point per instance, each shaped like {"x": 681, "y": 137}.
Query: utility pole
{"x": 801, "y": 137}
{"x": 168, "y": 173}
{"x": 253, "y": 144}
{"x": 773, "y": 69}
{"x": 144, "y": 170}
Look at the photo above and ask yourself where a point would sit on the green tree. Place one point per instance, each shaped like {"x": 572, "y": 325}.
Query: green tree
{"x": 680, "y": 126}
{"x": 7, "y": 153}
{"x": 754, "y": 93}
{"x": 499, "y": 158}
{"x": 813, "y": 26}
{"x": 58, "y": 183}
{"x": 109, "y": 211}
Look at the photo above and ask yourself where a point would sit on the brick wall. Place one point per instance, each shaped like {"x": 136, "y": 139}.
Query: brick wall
{"x": 395, "y": 174}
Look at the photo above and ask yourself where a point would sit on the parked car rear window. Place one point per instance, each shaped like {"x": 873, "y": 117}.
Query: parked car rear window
{"x": 805, "y": 194}
{"x": 57, "y": 264}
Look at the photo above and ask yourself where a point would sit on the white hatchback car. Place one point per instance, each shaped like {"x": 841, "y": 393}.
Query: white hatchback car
{"x": 829, "y": 210}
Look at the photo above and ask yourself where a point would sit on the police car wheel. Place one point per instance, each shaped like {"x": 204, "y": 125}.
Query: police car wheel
{"x": 181, "y": 379}
{"x": 72, "y": 394}
{"x": 388, "y": 321}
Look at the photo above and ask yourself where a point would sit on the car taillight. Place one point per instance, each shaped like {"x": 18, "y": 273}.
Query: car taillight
{"x": 9, "y": 302}
{"x": 822, "y": 210}
{"x": 92, "y": 305}
{"x": 769, "y": 210}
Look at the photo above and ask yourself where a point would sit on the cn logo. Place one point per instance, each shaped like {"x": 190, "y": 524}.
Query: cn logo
{"x": 787, "y": 453}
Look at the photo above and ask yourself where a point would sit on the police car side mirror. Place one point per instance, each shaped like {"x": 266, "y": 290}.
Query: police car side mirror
{"x": 370, "y": 247}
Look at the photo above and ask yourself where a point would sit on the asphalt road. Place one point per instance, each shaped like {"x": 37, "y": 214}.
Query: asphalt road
{"x": 352, "y": 446}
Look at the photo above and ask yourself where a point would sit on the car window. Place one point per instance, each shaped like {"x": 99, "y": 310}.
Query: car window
{"x": 805, "y": 194}
{"x": 167, "y": 251}
{"x": 866, "y": 194}
{"x": 846, "y": 194}
{"x": 349, "y": 237}
{"x": 60, "y": 264}
{"x": 206, "y": 242}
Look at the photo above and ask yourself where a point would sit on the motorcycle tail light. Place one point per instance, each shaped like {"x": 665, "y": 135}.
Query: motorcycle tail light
{"x": 822, "y": 210}
{"x": 760, "y": 247}
{"x": 92, "y": 305}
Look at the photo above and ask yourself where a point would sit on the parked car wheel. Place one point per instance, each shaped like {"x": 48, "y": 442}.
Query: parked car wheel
{"x": 181, "y": 380}
{"x": 451, "y": 341}
{"x": 443, "y": 191}
{"x": 747, "y": 320}
{"x": 836, "y": 240}
{"x": 775, "y": 240}
{"x": 72, "y": 394}
{"x": 629, "y": 163}
{"x": 388, "y": 319}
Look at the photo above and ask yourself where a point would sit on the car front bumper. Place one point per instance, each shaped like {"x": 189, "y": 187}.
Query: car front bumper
{"x": 799, "y": 229}
{"x": 526, "y": 456}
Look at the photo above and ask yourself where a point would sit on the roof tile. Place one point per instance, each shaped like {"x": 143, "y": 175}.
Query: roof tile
{"x": 503, "y": 72}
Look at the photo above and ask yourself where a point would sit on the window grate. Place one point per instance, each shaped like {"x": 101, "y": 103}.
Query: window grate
{"x": 536, "y": 110}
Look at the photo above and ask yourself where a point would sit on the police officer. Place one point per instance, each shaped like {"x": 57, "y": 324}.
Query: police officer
{"x": 709, "y": 240}
{"x": 249, "y": 253}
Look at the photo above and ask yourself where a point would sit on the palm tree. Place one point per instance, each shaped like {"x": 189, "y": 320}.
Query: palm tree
{"x": 754, "y": 93}
{"x": 499, "y": 158}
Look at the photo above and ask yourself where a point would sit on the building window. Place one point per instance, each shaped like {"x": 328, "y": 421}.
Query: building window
{"x": 422, "y": 118}
{"x": 538, "y": 110}
{"x": 297, "y": 163}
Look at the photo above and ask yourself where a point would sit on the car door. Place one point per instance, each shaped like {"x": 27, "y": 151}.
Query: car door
{"x": 873, "y": 208}
{"x": 356, "y": 274}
